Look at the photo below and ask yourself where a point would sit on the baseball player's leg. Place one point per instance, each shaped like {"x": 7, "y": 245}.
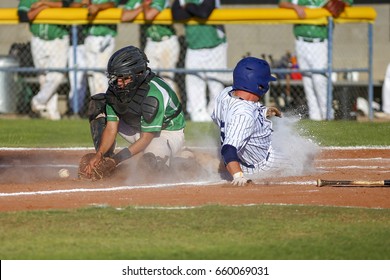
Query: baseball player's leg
{"x": 52, "y": 111}
{"x": 170, "y": 50}
{"x": 217, "y": 58}
{"x": 157, "y": 156}
{"x": 78, "y": 86}
{"x": 320, "y": 80}
{"x": 305, "y": 56}
{"x": 98, "y": 51}
{"x": 128, "y": 132}
{"x": 386, "y": 92}
{"x": 196, "y": 87}
{"x": 168, "y": 144}
{"x": 40, "y": 59}
{"x": 164, "y": 55}
{"x": 106, "y": 50}
{"x": 153, "y": 51}
{"x": 274, "y": 162}
{"x": 55, "y": 57}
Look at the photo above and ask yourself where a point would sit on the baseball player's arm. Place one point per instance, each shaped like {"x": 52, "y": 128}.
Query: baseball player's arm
{"x": 108, "y": 138}
{"x": 93, "y": 9}
{"x": 141, "y": 144}
{"x": 233, "y": 167}
{"x": 47, "y": 4}
{"x": 273, "y": 111}
{"x": 129, "y": 15}
{"x": 137, "y": 147}
{"x": 31, "y": 14}
{"x": 82, "y": 4}
{"x": 149, "y": 12}
{"x": 300, "y": 10}
{"x": 230, "y": 157}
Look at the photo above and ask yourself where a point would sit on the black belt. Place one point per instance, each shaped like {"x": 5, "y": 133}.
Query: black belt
{"x": 163, "y": 38}
{"x": 311, "y": 40}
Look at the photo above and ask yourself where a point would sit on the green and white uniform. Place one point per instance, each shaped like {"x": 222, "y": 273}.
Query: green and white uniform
{"x": 308, "y": 30}
{"x": 43, "y": 31}
{"x": 311, "y": 46}
{"x": 99, "y": 46}
{"x": 207, "y": 49}
{"x": 49, "y": 49}
{"x": 162, "y": 45}
{"x": 166, "y": 122}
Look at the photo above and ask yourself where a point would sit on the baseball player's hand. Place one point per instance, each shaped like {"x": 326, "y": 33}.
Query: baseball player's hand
{"x": 239, "y": 180}
{"x": 93, "y": 162}
{"x": 272, "y": 111}
{"x": 300, "y": 10}
{"x": 93, "y": 10}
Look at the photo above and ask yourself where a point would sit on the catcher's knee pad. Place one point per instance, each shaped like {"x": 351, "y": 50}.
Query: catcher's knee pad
{"x": 149, "y": 162}
{"x": 97, "y": 106}
{"x": 97, "y": 126}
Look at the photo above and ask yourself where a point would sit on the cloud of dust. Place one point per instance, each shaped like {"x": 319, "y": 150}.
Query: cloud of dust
{"x": 204, "y": 161}
{"x": 299, "y": 151}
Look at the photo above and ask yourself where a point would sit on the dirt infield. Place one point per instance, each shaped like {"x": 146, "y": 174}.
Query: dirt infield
{"x": 29, "y": 181}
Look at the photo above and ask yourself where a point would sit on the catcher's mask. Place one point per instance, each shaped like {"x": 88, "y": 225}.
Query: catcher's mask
{"x": 127, "y": 70}
{"x": 253, "y": 75}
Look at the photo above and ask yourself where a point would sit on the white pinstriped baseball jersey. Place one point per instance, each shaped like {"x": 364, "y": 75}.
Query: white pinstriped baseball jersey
{"x": 243, "y": 124}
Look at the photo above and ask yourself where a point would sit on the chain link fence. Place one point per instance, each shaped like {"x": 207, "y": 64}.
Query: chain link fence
{"x": 350, "y": 72}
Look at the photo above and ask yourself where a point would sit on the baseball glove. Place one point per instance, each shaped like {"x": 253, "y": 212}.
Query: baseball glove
{"x": 104, "y": 169}
{"x": 335, "y": 7}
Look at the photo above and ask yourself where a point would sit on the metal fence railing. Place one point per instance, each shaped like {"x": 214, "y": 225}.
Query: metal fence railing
{"x": 251, "y": 33}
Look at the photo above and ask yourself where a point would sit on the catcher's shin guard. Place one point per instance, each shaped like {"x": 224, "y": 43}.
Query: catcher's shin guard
{"x": 97, "y": 126}
{"x": 97, "y": 120}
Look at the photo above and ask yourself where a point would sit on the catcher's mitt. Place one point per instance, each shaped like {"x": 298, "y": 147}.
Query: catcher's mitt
{"x": 335, "y": 7}
{"x": 103, "y": 170}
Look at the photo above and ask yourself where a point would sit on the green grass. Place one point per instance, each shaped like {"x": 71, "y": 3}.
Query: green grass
{"x": 210, "y": 232}
{"x": 347, "y": 133}
{"x": 75, "y": 133}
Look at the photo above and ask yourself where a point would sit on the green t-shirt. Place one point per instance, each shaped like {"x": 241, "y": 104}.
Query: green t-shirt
{"x": 102, "y": 29}
{"x": 168, "y": 105}
{"x": 310, "y": 30}
{"x": 153, "y": 31}
{"x": 43, "y": 31}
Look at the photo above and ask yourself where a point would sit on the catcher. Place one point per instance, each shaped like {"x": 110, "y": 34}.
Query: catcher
{"x": 139, "y": 106}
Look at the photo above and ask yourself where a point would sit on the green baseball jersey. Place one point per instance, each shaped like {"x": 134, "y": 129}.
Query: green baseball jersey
{"x": 309, "y": 30}
{"x": 203, "y": 36}
{"x": 169, "y": 104}
{"x": 43, "y": 31}
{"x": 102, "y": 29}
{"x": 153, "y": 31}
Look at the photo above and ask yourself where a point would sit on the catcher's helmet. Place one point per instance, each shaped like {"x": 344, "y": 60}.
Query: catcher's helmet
{"x": 127, "y": 62}
{"x": 253, "y": 75}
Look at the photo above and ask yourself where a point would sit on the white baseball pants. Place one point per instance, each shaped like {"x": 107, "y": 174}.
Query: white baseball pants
{"x": 98, "y": 51}
{"x": 199, "y": 106}
{"x": 314, "y": 55}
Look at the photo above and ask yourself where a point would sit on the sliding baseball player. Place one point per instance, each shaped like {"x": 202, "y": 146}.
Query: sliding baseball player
{"x": 245, "y": 127}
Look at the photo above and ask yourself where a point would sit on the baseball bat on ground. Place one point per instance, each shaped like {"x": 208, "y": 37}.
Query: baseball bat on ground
{"x": 384, "y": 183}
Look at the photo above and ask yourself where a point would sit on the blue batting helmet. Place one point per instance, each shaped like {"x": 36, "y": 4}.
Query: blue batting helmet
{"x": 253, "y": 75}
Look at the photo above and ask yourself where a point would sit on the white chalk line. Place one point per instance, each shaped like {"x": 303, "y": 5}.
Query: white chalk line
{"x": 112, "y": 189}
{"x": 58, "y": 165}
{"x": 202, "y": 183}
{"x": 154, "y": 186}
{"x": 353, "y": 159}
